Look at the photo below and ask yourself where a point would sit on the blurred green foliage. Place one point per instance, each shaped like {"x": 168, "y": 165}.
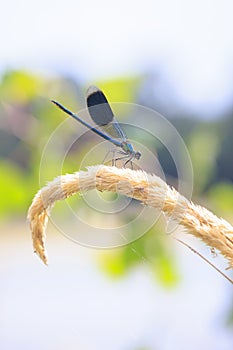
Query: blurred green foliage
{"x": 151, "y": 249}
{"x": 27, "y": 121}
{"x": 19, "y": 87}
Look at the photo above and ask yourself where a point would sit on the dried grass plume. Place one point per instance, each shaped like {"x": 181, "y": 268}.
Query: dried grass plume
{"x": 149, "y": 189}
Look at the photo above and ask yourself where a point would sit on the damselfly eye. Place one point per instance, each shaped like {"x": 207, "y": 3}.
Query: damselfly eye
{"x": 137, "y": 155}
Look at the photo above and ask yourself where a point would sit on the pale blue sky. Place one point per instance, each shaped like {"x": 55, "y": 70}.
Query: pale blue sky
{"x": 192, "y": 41}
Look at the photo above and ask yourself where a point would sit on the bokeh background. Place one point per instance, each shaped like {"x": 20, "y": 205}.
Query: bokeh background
{"x": 172, "y": 56}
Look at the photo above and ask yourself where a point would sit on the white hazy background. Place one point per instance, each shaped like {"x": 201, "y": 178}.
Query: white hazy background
{"x": 71, "y": 305}
{"x": 190, "y": 41}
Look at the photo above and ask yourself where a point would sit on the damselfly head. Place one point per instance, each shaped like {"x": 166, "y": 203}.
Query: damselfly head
{"x": 138, "y": 155}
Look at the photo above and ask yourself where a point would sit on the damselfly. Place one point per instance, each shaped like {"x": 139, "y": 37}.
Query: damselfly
{"x": 102, "y": 114}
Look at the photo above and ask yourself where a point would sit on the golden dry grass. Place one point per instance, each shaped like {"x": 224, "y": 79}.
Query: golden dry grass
{"x": 149, "y": 189}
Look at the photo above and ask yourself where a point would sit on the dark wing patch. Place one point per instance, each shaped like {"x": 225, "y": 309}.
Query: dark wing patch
{"x": 102, "y": 114}
{"x": 99, "y": 108}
